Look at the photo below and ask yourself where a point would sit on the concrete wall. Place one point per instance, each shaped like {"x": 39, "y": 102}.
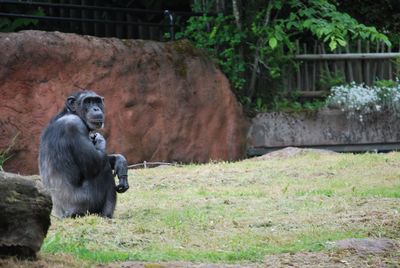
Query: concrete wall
{"x": 325, "y": 127}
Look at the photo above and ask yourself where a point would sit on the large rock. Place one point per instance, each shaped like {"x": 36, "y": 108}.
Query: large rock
{"x": 25, "y": 209}
{"x": 164, "y": 101}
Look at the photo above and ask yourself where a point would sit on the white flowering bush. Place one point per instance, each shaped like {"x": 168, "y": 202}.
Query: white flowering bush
{"x": 359, "y": 99}
{"x": 390, "y": 98}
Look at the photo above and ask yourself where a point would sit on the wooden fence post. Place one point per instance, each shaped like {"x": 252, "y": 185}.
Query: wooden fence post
{"x": 361, "y": 67}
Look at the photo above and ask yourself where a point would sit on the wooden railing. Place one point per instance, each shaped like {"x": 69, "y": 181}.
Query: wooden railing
{"x": 316, "y": 69}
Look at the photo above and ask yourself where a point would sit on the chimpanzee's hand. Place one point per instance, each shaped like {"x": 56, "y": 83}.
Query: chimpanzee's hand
{"x": 98, "y": 141}
{"x": 123, "y": 185}
{"x": 121, "y": 170}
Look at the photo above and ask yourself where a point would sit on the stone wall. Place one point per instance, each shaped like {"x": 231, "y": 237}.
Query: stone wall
{"x": 325, "y": 127}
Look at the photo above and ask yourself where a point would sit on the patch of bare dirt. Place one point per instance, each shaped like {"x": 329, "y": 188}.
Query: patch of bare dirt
{"x": 366, "y": 252}
{"x": 364, "y": 246}
{"x": 179, "y": 265}
{"x": 47, "y": 261}
{"x": 290, "y": 152}
{"x": 336, "y": 258}
{"x": 339, "y": 258}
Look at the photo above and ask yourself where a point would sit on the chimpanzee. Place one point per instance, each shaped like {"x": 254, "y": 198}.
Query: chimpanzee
{"x": 73, "y": 162}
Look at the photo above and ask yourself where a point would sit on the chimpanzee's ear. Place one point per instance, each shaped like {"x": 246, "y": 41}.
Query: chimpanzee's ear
{"x": 70, "y": 104}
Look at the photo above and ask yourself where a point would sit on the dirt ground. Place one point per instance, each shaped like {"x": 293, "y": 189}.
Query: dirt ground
{"x": 289, "y": 152}
{"x": 343, "y": 258}
{"x": 346, "y": 253}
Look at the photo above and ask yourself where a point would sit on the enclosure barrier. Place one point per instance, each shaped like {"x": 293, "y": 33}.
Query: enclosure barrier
{"x": 330, "y": 129}
{"x": 317, "y": 70}
{"x": 96, "y": 20}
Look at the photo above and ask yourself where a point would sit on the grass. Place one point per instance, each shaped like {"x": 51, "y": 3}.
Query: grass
{"x": 6, "y": 154}
{"x": 240, "y": 212}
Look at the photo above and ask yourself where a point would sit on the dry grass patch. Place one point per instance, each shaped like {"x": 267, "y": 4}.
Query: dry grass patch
{"x": 240, "y": 212}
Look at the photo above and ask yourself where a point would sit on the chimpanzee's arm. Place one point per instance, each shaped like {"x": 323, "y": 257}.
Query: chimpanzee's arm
{"x": 120, "y": 166}
{"x": 91, "y": 159}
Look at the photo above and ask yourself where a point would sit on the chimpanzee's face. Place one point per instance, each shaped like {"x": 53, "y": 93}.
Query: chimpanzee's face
{"x": 93, "y": 109}
{"x": 89, "y": 106}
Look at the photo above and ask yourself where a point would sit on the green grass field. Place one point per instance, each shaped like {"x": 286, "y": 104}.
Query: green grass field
{"x": 238, "y": 212}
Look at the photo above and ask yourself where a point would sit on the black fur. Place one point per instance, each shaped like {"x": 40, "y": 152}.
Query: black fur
{"x": 73, "y": 162}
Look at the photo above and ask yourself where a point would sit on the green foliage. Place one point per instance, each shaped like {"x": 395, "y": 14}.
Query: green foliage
{"x": 284, "y": 103}
{"x": 12, "y": 25}
{"x": 335, "y": 28}
{"x": 293, "y": 103}
{"x": 323, "y": 21}
{"x": 386, "y": 83}
{"x": 328, "y": 80}
{"x": 264, "y": 41}
{"x": 383, "y": 14}
{"x": 218, "y": 36}
{"x": 6, "y": 153}
{"x": 287, "y": 105}
{"x": 8, "y": 25}
{"x": 259, "y": 105}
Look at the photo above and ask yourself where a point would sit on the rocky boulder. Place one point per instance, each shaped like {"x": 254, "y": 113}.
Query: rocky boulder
{"x": 164, "y": 101}
{"x": 25, "y": 209}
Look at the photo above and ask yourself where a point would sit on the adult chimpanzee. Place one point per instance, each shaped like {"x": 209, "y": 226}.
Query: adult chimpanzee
{"x": 73, "y": 162}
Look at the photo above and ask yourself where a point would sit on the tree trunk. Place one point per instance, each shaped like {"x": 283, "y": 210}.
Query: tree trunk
{"x": 25, "y": 209}
{"x": 260, "y": 41}
{"x": 236, "y": 14}
{"x": 236, "y": 5}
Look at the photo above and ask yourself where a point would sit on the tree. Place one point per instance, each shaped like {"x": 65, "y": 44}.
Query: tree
{"x": 383, "y": 14}
{"x": 254, "y": 39}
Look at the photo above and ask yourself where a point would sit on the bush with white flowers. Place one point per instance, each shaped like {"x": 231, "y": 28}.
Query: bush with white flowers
{"x": 359, "y": 99}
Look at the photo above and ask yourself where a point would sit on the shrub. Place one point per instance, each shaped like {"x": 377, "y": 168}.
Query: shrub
{"x": 359, "y": 99}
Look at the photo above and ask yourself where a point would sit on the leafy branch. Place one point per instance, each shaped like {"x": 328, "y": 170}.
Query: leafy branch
{"x": 256, "y": 38}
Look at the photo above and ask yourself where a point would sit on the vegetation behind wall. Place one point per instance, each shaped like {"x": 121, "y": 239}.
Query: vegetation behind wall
{"x": 254, "y": 42}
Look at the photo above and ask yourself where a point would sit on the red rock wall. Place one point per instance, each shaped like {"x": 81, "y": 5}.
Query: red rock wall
{"x": 164, "y": 101}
